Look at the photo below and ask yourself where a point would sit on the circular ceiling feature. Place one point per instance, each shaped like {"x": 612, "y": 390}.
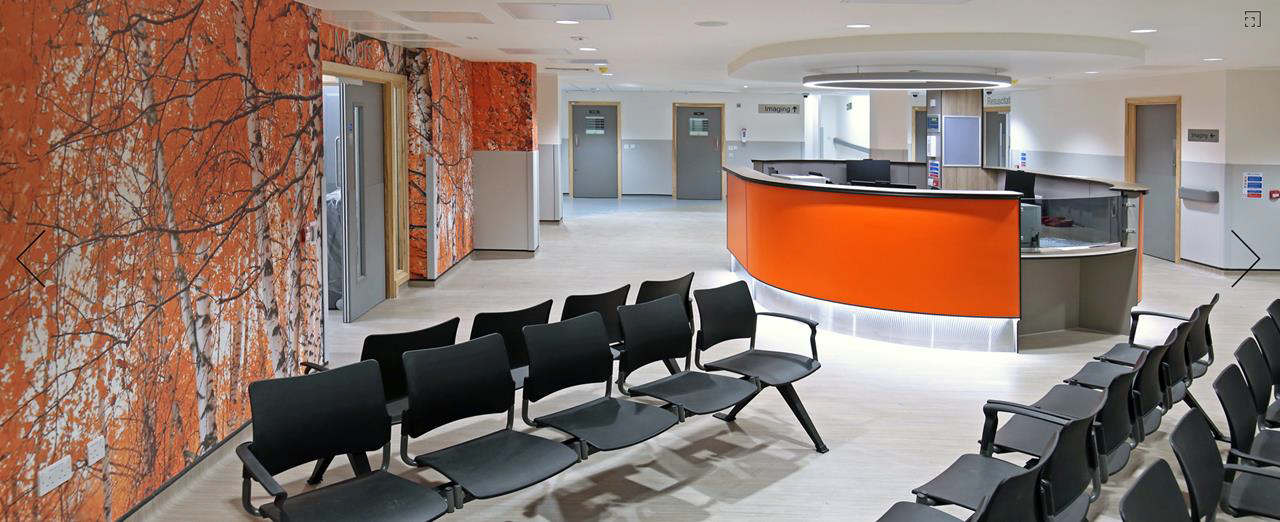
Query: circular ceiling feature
{"x": 903, "y": 81}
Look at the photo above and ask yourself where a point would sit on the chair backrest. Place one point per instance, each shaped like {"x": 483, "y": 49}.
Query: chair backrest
{"x": 1154, "y": 497}
{"x": 650, "y": 290}
{"x": 388, "y": 349}
{"x": 309, "y": 417}
{"x": 1233, "y": 393}
{"x": 605, "y": 304}
{"x": 1268, "y": 336}
{"x": 1254, "y": 365}
{"x": 1149, "y": 384}
{"x": 1201, "y": 463}
{"x": 654, "y": 331}
{"x": 1115, "y": 418}
{"x": 1176, "y": 357}
{"x": 1200, "y": 340}
{"x": 456, "y": 382}
{"x": 1273, "y": 310}
{"x": 1069, "y": 470}
{"x": 1016, "y": 498}
{"x": 568, "y": 353}
{"x": 509, "y": 326}
{"x": 726, "y": 312}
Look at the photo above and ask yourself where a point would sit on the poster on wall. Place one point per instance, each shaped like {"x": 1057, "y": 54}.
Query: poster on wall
{"x": 1253, "y": 185}
{"x": 935, "y": 174}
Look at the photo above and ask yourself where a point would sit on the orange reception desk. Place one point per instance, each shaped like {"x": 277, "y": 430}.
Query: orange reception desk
{"x": 938, "y": 268}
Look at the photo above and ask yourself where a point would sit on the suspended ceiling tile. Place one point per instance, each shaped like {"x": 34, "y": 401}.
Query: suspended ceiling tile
{"x": 445, "y": 17}
{"x": 550, "y": 11}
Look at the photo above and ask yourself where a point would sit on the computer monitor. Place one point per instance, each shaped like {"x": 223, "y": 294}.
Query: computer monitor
{"x": 867, "y": 170}
{"x": 1018, "y": 181}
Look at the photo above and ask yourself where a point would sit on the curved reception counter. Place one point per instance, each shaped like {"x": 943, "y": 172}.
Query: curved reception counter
{"x": 937, "y": 268}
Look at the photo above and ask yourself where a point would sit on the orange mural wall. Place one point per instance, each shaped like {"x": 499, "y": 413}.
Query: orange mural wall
{"x": 448, "y": 132}
{"x": 164, "y": 158}
{"x": 503, "y": 100}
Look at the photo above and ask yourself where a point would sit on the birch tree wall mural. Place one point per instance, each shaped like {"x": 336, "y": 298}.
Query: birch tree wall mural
{"x": 165, "y": 157}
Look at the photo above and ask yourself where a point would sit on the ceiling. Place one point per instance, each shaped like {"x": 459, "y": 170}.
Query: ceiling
{"x": 768, "y": 45}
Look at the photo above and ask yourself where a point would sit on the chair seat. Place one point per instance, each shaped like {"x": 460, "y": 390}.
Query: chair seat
{"x": 1116, "y": 459}
{"x": 500, "y": 462}
{"x": 1253, "y": 494}
{"x": 374, "y": 496}
{"x": 1124, "y": 353}
{"x": 1151, "y": 420}
{"x": 1266, "y": 445}
{"x": 698, "y": 392}
{"x": 1199, "y": 368}
{"x": 395, "y": 409}
{"x": 1098, "y": 374}
{"x": 968, "y": 480}
{"x": 1025, "y": 435}
{"x": 1177, "y": 392}
{"x": 772, "y": 368}
{"x": 608, "y": 423}
{"x": 912, "y": 512}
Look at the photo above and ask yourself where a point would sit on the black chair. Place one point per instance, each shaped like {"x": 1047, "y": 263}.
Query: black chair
{"x": 659, "y": 330}
{"x": 468, "y": 380}
{"x": 1267, "y": 333}
{"x": 301, "y": 419}
{"x": 1175, "y": 366}
{"x": 606, "y": 304}
{"x": 1254, "y": 365}
{"x": 679, "y": 287}
{"x": 1116, "y": 426}
{"x": 1014, "y": 498}
{"x": 1149, "y": 385}
{"x": 1247, "y": 442}
{"x": 1240, "y": 490}
{"x": 1154, "y": 497}
{"x": 728, "y": 313}
{"x": 1200, "y": 341}
{"x": 387, "y": 350}
{"x": 1028, "y": 435}
{"x": 1273, "y": 310}
{"x": 575, "y": 352}
{"x": 1064, "y": 482}
{"x": 509, "y": 326}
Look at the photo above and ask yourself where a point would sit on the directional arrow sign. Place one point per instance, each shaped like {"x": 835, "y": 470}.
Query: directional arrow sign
{"x": 24, "y": 251}
{"x": 1257, "y": 258}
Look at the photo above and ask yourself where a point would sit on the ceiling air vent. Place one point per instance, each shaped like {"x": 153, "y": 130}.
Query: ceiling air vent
{"x": 445, "y": 17}
{"x": 548, "y": 11}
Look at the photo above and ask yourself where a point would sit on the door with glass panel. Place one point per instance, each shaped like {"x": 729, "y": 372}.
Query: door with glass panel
{"x": 699, "y": 140}
{"x": 593, "y": 150}
{"x": 361, "y": 174}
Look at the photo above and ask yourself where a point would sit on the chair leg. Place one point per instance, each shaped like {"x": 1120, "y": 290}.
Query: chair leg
{"x": 737, "y": 408}
{"x": 1193, "y": 403}
{"x": 317, "y": 474}
{"x": 672, "y": 366}
{"x": 359, "y": 463}
{"x": 788, "y": 392}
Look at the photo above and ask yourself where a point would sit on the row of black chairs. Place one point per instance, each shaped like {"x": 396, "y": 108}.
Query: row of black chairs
{"x": 424, "y": 381}
{"x": 1073, "y": 438}
{"x": 1248, "y": 483}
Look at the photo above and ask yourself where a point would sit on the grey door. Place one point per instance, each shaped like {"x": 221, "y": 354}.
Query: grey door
{"x": 698, "y": 158}
{"x": 1154, "y": 161}
{"x": 362, "y": 187}
{"x": 995, "y": 139}
{"x": 921, "y": 132}
{"x": 594, "y": 146}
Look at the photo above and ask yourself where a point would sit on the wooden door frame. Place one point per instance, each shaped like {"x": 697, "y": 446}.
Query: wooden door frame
{"x": 675, "y": 149}
{"x": 911, "y": 153}
{"x": 1130, "y": 156}
{"x": 395, "y": 177}
{"x": 617, "y": 135}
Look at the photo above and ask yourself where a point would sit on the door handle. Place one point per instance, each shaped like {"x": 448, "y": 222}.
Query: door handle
{"x": 575, "y": 139}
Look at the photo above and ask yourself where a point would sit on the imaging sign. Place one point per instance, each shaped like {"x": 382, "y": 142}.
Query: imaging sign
{"x": 1202, "y": 135}
{"x": 778, "y": 108}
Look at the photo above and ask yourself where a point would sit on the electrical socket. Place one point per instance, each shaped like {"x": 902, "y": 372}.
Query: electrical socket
{"x": 96, "y": 450}
{"x": 53, "y": 475}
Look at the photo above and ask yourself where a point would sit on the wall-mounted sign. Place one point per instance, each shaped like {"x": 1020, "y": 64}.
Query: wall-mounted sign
{"x": 931, "y": 123}
{"x": 1203, "y": 135}
{"x": 778, "y": 108}
{"x": 1253, "y": 185}
{"x": 996, "y": 100}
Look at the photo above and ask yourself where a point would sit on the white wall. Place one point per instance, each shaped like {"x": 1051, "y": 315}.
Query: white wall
{"x": 1253, "y": 111}
{"x": 890, "y": 121}
{"x": 547, "y": 118}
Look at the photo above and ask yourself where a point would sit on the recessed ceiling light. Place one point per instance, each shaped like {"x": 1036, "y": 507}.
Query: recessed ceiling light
{"x": 1142, "y": 31}
{"x": 746, "y": 86}
{"x": 1091, "y": 72}
{"x": 858, "y": 26}
{"x": 567, "y": 22}
{"x": 600, "y": 64}
{"x": 899, "y": 81}
{"x": 1213, "y": 59}
{"x": 711, "y": 23}
{"x": 587, "y": 49}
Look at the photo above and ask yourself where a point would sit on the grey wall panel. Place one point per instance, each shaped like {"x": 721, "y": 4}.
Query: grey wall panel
{"x": 1204, "y": 224}
{"x": 1254, "y": 219}
{"x": 1090, "y": 165}
{"x": 505, "y": 200}
{"x": 549, "y": 187}
{"x": 646, "y": 167}
{"x": 564, "y": 170}
{"x": 739, "y": 153}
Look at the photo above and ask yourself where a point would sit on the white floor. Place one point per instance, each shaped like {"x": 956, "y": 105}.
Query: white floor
{"x": 893, "y": 416}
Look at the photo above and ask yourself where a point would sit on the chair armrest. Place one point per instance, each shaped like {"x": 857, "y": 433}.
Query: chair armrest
{"x": 992, "y": 422}
{"x": 254, "y": 469}
{"x": 313, "y": 367}
{"x": 1135, "y": 314}
{"x": 1264, "y": 472}
{"x": 1252, "y": 458}
{"x": 813, "y": 328}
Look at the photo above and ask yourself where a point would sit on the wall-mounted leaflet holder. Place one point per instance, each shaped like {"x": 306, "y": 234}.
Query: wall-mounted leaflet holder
{"x": 931, "y": 146}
